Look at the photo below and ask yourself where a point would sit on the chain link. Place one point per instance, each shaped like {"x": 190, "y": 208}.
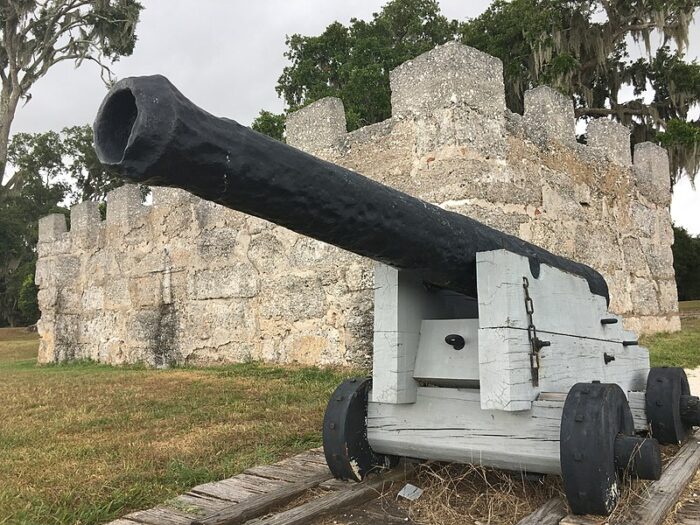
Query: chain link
{"x": 536, "y": 344}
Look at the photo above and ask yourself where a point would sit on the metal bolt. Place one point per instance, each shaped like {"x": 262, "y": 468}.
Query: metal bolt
{"x": 332, "y": 426}
{"x": 339, "y": 398}
{"x": 578, "y": 456}
{"x": 659, "y": 403}
{"x": 579, "y": 418}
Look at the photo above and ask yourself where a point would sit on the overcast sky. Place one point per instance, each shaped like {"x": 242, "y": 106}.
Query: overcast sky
{"x": 226, "y": 56}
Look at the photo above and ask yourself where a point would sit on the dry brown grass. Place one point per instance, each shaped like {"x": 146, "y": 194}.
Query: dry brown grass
{"x": 458, "y": 494}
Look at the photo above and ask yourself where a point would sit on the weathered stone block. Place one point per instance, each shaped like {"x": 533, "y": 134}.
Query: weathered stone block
{"x": 52, "y": 227}
{"x": 448, "y": 75}
{"x": 268, "y": 254}
{"x": 317, "y": 126}
{"x": 146, "y": 291}
{"x": 549, "y": 116}
{"x": 652, "y": 172}
{"x": 611, "y": 139}
{"x": 93, "y": 299}
{"x": 237, "y": 280}
{"x": 170, "y": 197}
{"x": 85, "y": 217}
{"x": 123, "y": 204}
{"x": 217, "y": 245}
{"x": 281, "y": 298}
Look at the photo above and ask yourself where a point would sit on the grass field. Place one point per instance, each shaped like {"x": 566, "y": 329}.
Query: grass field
{"x": 681, "y": 348}
{"x": 85, "y": 443}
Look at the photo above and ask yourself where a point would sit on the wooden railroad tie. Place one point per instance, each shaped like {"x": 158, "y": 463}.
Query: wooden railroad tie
{"x": 661, "y": 496}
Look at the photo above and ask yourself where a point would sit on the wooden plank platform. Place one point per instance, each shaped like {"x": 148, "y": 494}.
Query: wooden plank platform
{"x": 256, "y": 490}
{"x": 689, "y": 514}
{"x": 352, "y": 494}
{"x": 548, "y": 514}
{"x": 250, "y": 496}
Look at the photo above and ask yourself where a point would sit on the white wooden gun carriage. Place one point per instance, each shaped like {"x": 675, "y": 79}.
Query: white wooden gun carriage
{"x": 487, "y": 349}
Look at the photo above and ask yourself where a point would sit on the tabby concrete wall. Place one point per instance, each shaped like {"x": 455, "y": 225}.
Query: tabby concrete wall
{"x": 187, "y": 281}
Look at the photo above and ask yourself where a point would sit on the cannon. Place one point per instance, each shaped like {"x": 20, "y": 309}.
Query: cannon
{"x": 487, "y": 349}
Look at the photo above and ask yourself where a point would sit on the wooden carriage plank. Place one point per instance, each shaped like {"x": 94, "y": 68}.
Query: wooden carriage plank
{"x": 637, "y": 403}
{"x": 254, "y": 507}
{"x": 548, "y": 514}
{"x": 334, "y": 501}
{"x": 122, "y": 521}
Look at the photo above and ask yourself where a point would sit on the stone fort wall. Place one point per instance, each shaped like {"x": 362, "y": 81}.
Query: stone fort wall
{"x": 187, "y": 281}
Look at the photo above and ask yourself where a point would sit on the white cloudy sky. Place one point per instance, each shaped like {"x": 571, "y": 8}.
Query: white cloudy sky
{"x": 226, "y": 56}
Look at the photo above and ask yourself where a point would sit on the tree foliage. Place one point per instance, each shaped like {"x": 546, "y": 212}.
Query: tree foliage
{"x": 353, "y": 62}
{"x": 580, "y": 47}
{"x": 50, "y": 169}
{"x": 36, "y": 158}
{"x": 270, "y": 124}
{"x": 686, "y": 263}
{"x": 35, "y": 35}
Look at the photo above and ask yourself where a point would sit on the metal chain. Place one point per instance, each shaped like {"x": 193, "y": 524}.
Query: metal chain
{"x": 536, "y": 344}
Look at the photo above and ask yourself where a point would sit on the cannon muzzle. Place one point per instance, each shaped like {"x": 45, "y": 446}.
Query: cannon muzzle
{"x": 150, "y": 133}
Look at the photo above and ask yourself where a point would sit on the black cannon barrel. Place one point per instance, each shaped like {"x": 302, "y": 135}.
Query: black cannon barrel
{"x": 152, "y": 134}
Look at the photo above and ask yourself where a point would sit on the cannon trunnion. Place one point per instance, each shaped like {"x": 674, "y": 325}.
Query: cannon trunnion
{"x": 487, "y": 349}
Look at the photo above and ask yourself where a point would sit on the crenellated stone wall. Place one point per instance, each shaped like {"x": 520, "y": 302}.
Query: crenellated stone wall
{"x": 187, "y": 281}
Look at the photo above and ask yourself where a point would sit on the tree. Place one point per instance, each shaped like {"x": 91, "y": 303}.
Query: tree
{"x": 38, "y": 160}
{"x": 353, "y": 63}
{"x": 28, "y": 304}
{"x": 50, "y": 169}
{"x": 35, "y": 35}
{"x": 270, "y": 124}
{"x": 579, "y": 47}
{"x": 686, "y": 263}
{"x": 91, "y": 178}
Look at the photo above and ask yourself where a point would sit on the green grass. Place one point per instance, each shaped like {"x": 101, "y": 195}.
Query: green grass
{"x": 689, "y": 306}
{"x": 86, "y": 443}
{"x": 680, "y": 348}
